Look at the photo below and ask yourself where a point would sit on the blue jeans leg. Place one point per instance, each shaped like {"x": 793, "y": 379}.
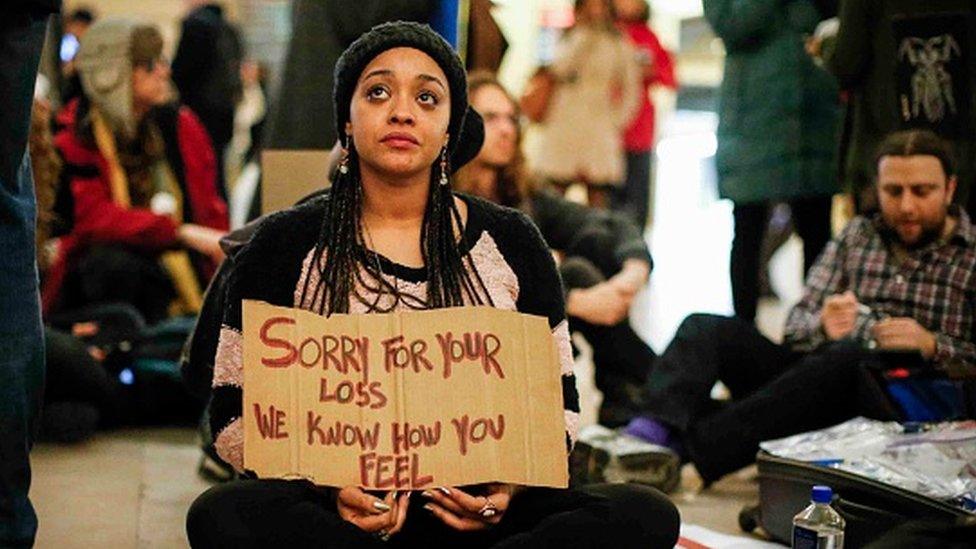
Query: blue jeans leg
{"x": 21, "y": 340}
{"x": 21, "y": 361}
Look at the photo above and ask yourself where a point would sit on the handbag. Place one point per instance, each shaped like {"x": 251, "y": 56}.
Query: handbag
{"x": 537, "y": 98}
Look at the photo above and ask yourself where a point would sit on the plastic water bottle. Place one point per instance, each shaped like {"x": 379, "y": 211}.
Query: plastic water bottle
{"x": 819, "y": 526}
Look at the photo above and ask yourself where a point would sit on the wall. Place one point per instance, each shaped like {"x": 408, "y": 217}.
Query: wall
{"x": 165, "y": 13}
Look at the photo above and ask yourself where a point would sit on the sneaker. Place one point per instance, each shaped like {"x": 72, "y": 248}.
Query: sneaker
{"x": 603, "y": 455}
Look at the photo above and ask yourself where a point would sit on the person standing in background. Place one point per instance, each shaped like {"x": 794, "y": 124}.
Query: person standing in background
{"x": 777, "y": 132}
{"x": 75, "y": 26}
{"x": 657, "y": 67}
{"x": 323, "y": 29}
{"x": 206, "y": 71}
{"x": 22, "y": 32}
{"x": 907, "y": 65}
{"x": 596, "y": 96}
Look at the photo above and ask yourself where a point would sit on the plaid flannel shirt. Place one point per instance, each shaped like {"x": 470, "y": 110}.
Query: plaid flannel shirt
{"x": 935, "y": 285}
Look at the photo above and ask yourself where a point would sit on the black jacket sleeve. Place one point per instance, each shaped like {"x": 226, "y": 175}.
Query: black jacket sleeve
{"x": 604, "y": 238}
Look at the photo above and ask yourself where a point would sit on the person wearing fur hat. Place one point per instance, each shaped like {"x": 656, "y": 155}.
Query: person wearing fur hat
{"x": 142, "y": 179}
{"x": 391, "y": 235}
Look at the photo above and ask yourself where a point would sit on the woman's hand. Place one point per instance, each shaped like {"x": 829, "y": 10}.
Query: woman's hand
{"x": 202, "y": 239}
{"x": 603, "y": 304}
{"x": 632, "y": 277}
{"x": 465, "y": 512}
{"x": 383, "y": 517}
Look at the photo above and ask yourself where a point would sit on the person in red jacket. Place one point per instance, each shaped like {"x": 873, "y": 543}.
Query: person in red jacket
{"x": 634, "y": 196}
{"x": 141, "y": 176}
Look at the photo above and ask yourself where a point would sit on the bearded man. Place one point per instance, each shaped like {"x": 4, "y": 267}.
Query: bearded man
{"x": 892, "y": 296}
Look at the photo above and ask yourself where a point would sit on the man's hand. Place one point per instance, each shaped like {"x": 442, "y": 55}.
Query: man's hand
{"x": 603, "y": 304}
{"x": 465, "y": 512}
{"x": 383, "y": 517}
{"x": 838, "y": 315}
{"x": 904, "y": 333}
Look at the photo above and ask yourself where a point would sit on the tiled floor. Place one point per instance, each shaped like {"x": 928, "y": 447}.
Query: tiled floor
{"x": 132, "y": 488}
{"x": 122, "y": 489}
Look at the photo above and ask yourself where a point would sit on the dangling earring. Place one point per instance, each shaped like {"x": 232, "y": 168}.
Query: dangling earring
{"x": 344, "y": 161}
{"x": 444, "y": 180}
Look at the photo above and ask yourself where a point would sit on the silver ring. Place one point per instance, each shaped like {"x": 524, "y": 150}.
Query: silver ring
{"x": 383, "y": 535}
{"x": 488, "y": 510}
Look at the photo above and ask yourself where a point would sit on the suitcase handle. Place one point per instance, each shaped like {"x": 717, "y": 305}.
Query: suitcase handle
{"x": 866, "y": 513}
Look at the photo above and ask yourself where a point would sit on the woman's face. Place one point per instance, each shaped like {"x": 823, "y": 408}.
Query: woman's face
{"x": 501, "y": 126}
{"x": 150, "y": 84}
{"x": 400, "y": 112}
{"x": 629, "y": 10}
{"x": 593, "y": 11}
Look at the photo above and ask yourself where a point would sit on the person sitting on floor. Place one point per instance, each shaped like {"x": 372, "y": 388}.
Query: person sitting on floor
{"x": 893, "y": 290}
{"x": 141, "y": 176}
{"x": 392, "y": 235}
{"x": 78, "y": 391}
{"x": 604, "y": 259}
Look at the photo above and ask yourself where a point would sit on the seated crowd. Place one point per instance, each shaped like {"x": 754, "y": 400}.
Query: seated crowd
{"x": 135, "y": 230}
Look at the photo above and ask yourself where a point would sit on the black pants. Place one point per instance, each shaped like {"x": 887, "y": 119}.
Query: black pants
{"x": 80, "y": 392}
{"x": 281, "y": 513}
{"x": 775, "y": 392}
{"x": 633, "y": 198}
{"x": 620, "y": 356}
{"x": 114, "y": 274}
{"x": 811, "y": 217}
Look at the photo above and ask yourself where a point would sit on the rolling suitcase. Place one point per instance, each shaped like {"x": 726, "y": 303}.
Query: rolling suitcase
{"x": 891, "y": 479}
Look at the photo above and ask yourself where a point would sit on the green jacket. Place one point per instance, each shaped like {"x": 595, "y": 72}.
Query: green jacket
{"x": 778, "y": 112}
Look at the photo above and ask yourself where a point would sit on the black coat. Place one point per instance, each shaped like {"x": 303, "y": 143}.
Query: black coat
{"x": 206, "y": 70}
{"x": 875, "y": 57}
{"x": 302, "y": 116}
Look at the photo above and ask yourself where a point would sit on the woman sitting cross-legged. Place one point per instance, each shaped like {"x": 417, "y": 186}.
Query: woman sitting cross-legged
{"x": 392, "y": 236}
{"x": 139, "y": 184}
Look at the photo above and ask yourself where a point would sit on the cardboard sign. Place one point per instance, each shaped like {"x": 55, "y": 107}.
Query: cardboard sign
{"x": 403, "y": 401}
{"x": 288, "y": 176}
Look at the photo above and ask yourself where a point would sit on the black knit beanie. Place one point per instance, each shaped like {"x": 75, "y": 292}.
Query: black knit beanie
{"x": 465, "y": 128}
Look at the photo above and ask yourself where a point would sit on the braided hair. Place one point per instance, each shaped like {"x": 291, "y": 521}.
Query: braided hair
{"x": 452, "y": 277}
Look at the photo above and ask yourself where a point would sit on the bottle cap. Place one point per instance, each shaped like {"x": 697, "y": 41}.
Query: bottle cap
{"x": 821, "y": 494}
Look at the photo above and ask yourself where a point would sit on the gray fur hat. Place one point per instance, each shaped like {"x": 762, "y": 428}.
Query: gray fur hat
{"x": 104, "y": 63}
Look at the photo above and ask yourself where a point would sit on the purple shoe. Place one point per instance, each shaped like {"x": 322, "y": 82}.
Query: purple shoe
{"x": 651, "y": 430}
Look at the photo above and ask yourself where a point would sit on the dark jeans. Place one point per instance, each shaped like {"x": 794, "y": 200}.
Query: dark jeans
{"x": 775, "y": 392}
{"x": 811, "y": 217}
{"x": 21, "y": 342}
{"x": 281, "y": 513}
{"x": 633, "y": 198}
